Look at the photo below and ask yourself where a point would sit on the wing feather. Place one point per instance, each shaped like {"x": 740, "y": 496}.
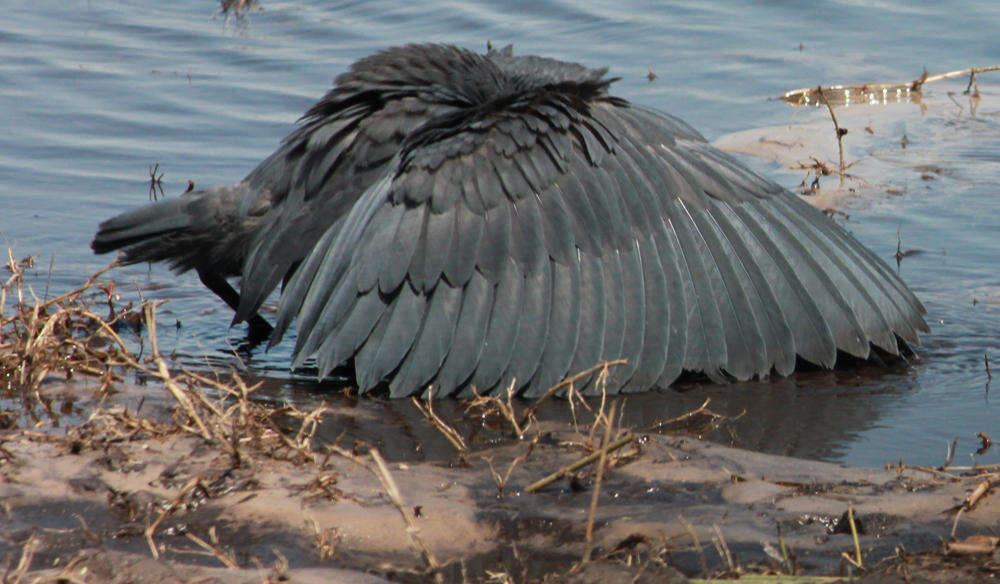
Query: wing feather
{"x": 494, "y": 250}
{"x": 746, "y": 343}
{"x": 563, "y": 329}
{"x": 332, "y": 259}
{"x": 902, "y": 304}
{"x": 706, "y": 334}
{"x": 397, "y": 257}
{"x": 464, "y": 249}
{"x": 528, "y": 245}
{"x": 679, "y": 299}
{"x": 655, "y": 344}
{"x": 795, "y": 288}
{"x": 532, "y": 334}
{"x": 842, "y": 318}
{"x": 345, "y": 340}
{"x": 505, "y": 322}
{"x": 371, "y": 261}
{"x": 470, "y": 336}
{"x": 432, "y": 343}
{"x": 614, "y": 309}
{"x": 590, "y": 341}
{"x": 391, "y": 340}
{"x": 567, "y": 225}
{"x": 432, "y": 250}
{"x": 847, "y": 274}
{"x": 779, "y": 342}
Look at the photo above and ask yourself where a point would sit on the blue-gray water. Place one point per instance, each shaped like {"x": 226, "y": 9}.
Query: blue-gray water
{"x": 94, "y": 93}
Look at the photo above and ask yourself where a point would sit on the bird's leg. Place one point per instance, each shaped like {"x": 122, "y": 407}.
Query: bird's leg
{"x": 260, "y": 329}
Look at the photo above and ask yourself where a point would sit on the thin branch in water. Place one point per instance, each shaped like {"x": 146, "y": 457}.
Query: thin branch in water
{"x": 164, "y": 375}
{"x": 841, "y": 132}
{"x": 434, "y": 420}
{"x": 950, "y": 457}
{"x": 569, "y": 381}
{"x": 155, "y": 182}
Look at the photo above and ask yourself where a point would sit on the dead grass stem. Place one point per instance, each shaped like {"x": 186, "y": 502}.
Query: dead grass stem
{"x": 174, "y": 504}
{"x": 379, "y": 468}
{"x": 16, "y": 574}
{"x": 182, "y": 398}
{"x": 213, "y": 549}
{"x": 587, "y": 460}
{"x": 697, "y": 544}
{"x": 595, "y": 496}
{"x": 450, "y": 433}
{"x": 569, "y": 382}
{"x": 38, "y": 339}
{"x": 856, "y": 560}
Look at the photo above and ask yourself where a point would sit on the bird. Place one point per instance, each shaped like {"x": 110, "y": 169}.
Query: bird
{"x": 460, "y": 222}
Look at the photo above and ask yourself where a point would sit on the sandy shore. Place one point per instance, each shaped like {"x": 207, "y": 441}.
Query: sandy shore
{"x": 79, "y": 501}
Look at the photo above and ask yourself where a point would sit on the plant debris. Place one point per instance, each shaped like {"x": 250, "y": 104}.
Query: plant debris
{"x": 874, "y": 93}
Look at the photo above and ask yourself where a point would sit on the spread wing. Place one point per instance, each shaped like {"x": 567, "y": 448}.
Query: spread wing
{"x": 528, "y": 242}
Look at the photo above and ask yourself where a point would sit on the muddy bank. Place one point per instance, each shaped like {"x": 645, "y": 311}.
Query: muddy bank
{"x": 140, "y": 496}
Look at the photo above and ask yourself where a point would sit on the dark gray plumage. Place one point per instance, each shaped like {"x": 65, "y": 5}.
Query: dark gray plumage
{"x": 452, "y": 219}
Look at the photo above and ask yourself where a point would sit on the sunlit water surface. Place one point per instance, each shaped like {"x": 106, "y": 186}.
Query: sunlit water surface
{"x": 92, "y": 94}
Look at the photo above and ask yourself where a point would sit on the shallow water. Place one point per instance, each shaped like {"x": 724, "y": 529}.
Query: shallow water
{"x": 92, "y": 94}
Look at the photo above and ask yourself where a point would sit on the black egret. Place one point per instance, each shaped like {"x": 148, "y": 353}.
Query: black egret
{"x": 459, "y": 220}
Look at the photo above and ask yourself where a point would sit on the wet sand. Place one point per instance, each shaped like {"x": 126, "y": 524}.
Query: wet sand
{"x": 81, "y": 498}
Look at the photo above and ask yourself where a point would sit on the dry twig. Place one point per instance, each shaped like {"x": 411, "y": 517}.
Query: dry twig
{"x": 380, "y": 470}
{"x": 15, "y": 575}
{"x": 589, "y": 459}
{"x": 601, "y": 465}
{"x": 489, "y": 404}
{"x": 569, "y": 381}
{"x": 164, "y": 374}
{"x": 841, "y": 132}
{"x": 434, "y": 420}
{"x": 173, "y": 506}
{"x": 501, "y": 481}
{"x": 982, "y": 488}
{"x": 722, "y": 548}
{"x": 212, "y": 549}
